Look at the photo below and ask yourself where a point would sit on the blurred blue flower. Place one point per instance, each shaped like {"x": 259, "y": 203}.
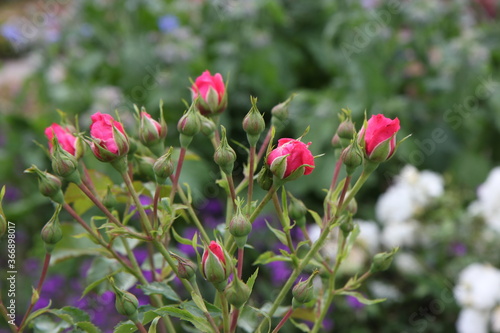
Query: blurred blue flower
{"x": 168, "y": 23}
{"x": 10, "y": 32}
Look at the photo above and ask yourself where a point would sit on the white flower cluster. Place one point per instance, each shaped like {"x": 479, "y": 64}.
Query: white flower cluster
{"x": 478, "y": 292}
{"x": 488, "y": 203}
{"x": 396, "y": 209}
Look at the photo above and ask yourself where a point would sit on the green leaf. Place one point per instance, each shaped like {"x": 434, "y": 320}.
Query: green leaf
{"x": 81, "y": 203}
{"x": 38, "y": 312}
{"x": 267, "y": 257}
{"x": 152, "y": 328}
{"x": 301, "y": 326}
{"x": 125, "y": 327}
{"x": 362, "y": 298}
{"x": 199, "y": 322}
{"x": 195, "y": 310}
{"x": 180, "y": 239}
{"x": 160, "y": 289}
{"x": 71, "y": 314}
{"x": 316, "y": 217}
{"x": 46, "y": 324}
{"x": 250, "y": 317}
{"x": 102, "y": 267}
{"x": 251, "y": 279}
{"x": 278, "y": 233}
{"x": 88, "y": 327}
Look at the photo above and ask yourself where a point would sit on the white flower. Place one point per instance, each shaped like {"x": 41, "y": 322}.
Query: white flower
{"x": 383, "y": 290}
{"x": 478, "y": 287}
{"x": 411, "y": 192}
{"x": 472, "y": 321}
{"x": 404, "y": 233}
{"x": 495, "y": 320}
{"x": 369, "y": 236}
{"x": 488, "y": 201}
{"x": 407, "y": 263}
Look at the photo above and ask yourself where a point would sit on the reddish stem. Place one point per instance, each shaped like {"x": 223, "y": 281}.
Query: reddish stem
{"x": 241, "y": 253}
{"x": 264, "y": 144}
{"x": 140, "y": 327}
{"x": 287, "y": 315}
{"x": 177, "y": 174}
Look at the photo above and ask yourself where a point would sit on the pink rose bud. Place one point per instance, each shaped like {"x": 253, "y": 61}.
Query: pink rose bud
{"x": 109, "y": 141}
{"x": 291, "y": 158}
{"x": 150, "y": 130}
{"x": 214, "y": 266}
{"x": 379, "y": 137}
{"x": 211, "y": 91}
{"x": 63, "y": 135}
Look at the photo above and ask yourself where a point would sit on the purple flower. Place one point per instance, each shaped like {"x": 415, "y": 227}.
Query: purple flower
{"x": 11, "y": 32}
{"x": 458, "y": 249}
{"x": 354, "y": 303}
{"x": 188, "y": 249}
{"x": 168, "y": 23}
{"x": 280, "y": 272}
{"x": 145, "y": 201}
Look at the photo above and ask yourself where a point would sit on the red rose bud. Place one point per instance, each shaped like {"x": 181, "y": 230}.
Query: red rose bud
{"x": 214, "y": 266}
{"x": 48, "y": 184}
{"x": 237, "y": 293}
{"x": 352, "y": 157}
{"x": 52, "y": 232}
{"x": 64, "y": 137}
{"x": 382, "y": 261}
{"x": 188, "y": 126}
{"x": 209, "y": 93}
{"x": 253, "y": 123}
{"x": 379, "y": 138}
{"x": 225, "y": 156}
{"x": 109, "y": 141}
{"x": 164, "y": 167}
{"x": 240, "y": 227}
{"x": 297, "y": 211}
{"x": 291, "y": 159}
{"x": 151, "y": 131}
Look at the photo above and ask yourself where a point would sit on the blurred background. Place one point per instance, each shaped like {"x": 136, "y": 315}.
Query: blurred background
{"x": 433, "y": 64}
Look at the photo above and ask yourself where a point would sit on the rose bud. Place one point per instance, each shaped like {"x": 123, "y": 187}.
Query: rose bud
{"x": 209, "y": 93}
{"x": 297, "y": 211}
{"x": 280, "y": 113}
{"x": 382, "y": 261}
{"x": 109, "y": 200}
{"x": 253, "y": 123}
{"x": 225, "y": 156}
{"x": 48, "y": 184}
{"x": 109, "y": 141}
{"x": 126, "y": 303}
{"x": 65, "y": 138}
{"x": 237, "y": 293}
{"x": 240, "y": 227}
{"x": 265, "y": 178}
{"x": 291, "y": 159}
{"x": 52, "y": 232}
{"x": 303, "y": 292}
{"x": 336, "y": 141}
{"x": 151, "y": 131}
{"x": 208, "y": 127}
{"x": 164, "y": 167}
{"x": 214, "y": 266}
{"x": 64, "y": 163}
{"x": 378, "y": 136}
{"x": 188, "y": 126}
{"x": 352, "y": 157}
{"x": 186, "y": 269}
{"x": 346, "y": 130}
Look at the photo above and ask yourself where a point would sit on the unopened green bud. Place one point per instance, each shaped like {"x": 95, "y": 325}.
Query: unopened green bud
{"x": 52, "y": 232}
{"x": 164, "y": 167}
{"x": 208, "y": 127}
{"x": 336, "y": 141}
{"x": 126, "y": 303}
{"x": 303, "y": 291}
{"x": 352, "y": 157}
{"x": 188, "y": 126}
{"x": 48, "y": 184}
{"x": 253, "y": 123}
{"x": 237, "y": 293}
{"x": 297, "y": 211}
{"x": 224, "y": 155}
{"x": 352, "y": 206}
{"x": 280, "y": 113}
{"x": 145, "y": 166}
{"x": 186, "y": 269}
{"x": 382, "y": 261}
{"x": 265, "y": 178}
{"x": 240, "y": 227}
{"x": 109, "y": 200}
{"x": 346, "y": 129}
{"x": 347, "y": 226}
{"x": 64, "y": 163}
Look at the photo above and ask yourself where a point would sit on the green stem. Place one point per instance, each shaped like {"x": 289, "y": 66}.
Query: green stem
{"x": 146, "y": 224}
{"x": 225, "y": 312}
{"x": 284, "y": 223}
{"x": 251, "y": 167}
{"x": 261, "y": 205}
{"x": 38, "y": 290}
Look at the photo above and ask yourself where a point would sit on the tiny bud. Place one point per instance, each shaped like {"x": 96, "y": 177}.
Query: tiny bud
{"x": 237, "y": 293}
{"x": 109, "y": 200}
{"x": 336, "y": 141}
{"x": 126, "y": 303}
{"x": 352, "y": 157}
{"x": 224, "y": 155}
{"x": 347, "y": 226}
{"x": 208, "y": 127}
{"x": 151, "y": 131}
{"x": 382, "y": 261}
{"x": 186, "y": 269}
{"x": 303, "y": 291}
{"x": 145, "y": 167}
{"x": 214, "y": 266}
{"x": 64, "y": 164}
{"x": 52, "y": 232}
{"x": 253, "y": 123}
{"x": 265, "y": 178}
{"x": 164, "y": 167}
{"x": 240, "y": 227}
{"x": 48, "y": 184}
{"x": 189, "y": 125}
{"x": 297, "y": 211}
{"x": 346, "y": 130}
